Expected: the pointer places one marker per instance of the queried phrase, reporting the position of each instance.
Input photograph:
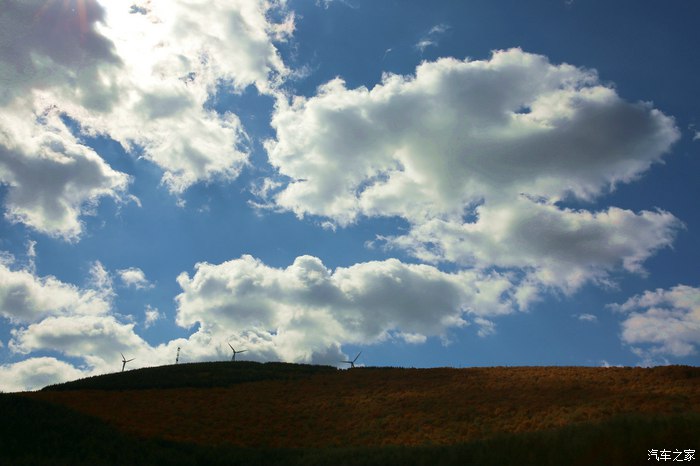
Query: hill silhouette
(276, 413)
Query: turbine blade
(122, 355)
(129, 360)
(231, 347)
(242, 351)
(358, 355)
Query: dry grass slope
(390, 406)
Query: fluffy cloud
(25, 297)
(306, 309)
(141, 74)
(51, 54)
(663, 322)
(478, 156)
(152, 315)
(35, 373)
(561, 248)
(174, 55)
(134, 277)
(77, 322)
(96, 339)
(52, 178)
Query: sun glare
(75, 11)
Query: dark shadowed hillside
(202, 375)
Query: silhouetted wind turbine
(124, 361)
(352, 363)
(233, 358)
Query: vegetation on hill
(390, 406)
(40, 433)
(295, 414)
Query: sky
(443, 183)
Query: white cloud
(173, 58)
(308, 309)
(486, 327)
(50, 315)
(88, 337)
(152, 314)
(52, 178)
(134, 277)
(51, 54)
(663, 322)
(99, 340)
(99, 278)
(431, 38)
(25, 297)
(478, 156)
(326, 3)
(560, 248)
(141, 74)
(35, 373)
(31, 249)
(79, 323)
(585, 317)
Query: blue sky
(431, 183)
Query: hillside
(191, 375)
(294, 408)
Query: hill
(191, 375)
(295, 414)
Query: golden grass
(386, 406)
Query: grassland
(250, 413)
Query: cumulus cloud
(92, 338)
(173, 58)
(35, 373)
(134, 277)
(307, 309)
(560, 248)
(142, 74)
(662, 323)
(25, 297)
(479, 156)
(52, 315)
(52, 179)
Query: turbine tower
(233, 358)
(124, 361)
(177, 358)
(352, 363)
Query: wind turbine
(352, 363)
(233, 358)
(124, 361)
